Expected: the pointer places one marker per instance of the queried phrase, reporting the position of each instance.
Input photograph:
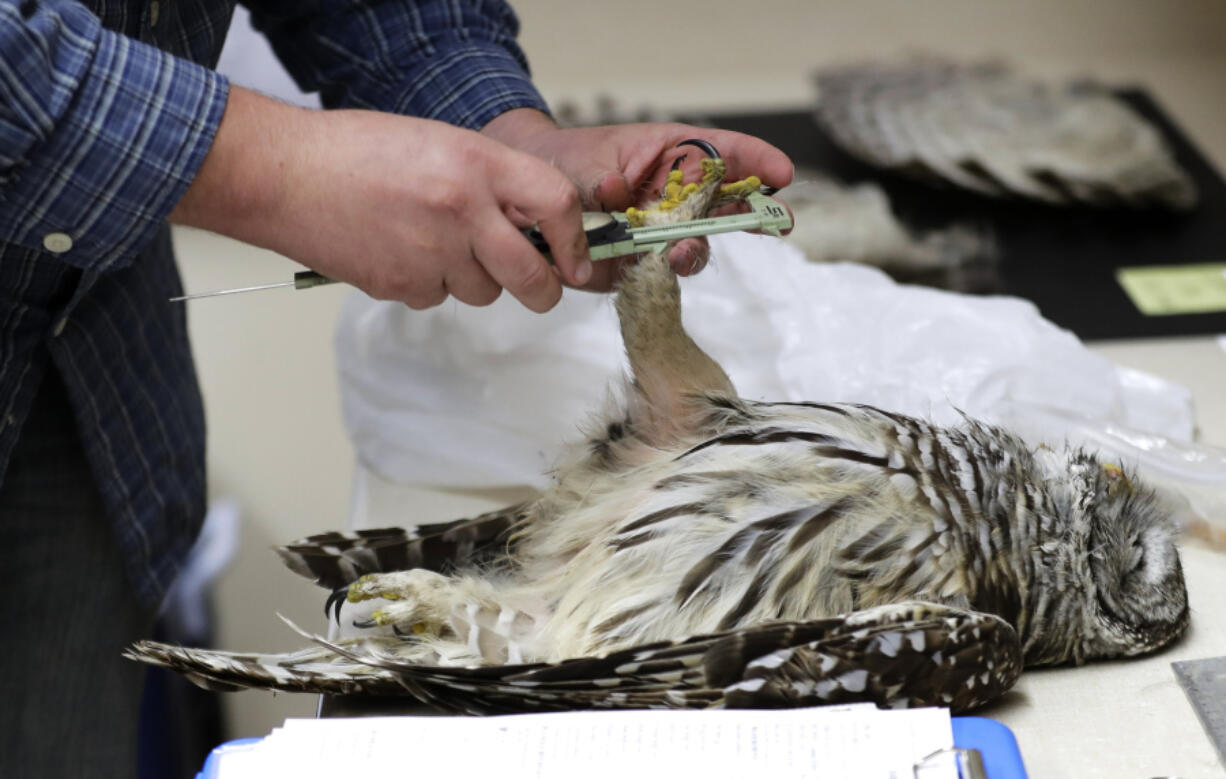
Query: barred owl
(700, 549)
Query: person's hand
(405, 209)
(619, 166)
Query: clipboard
(990, 741)
(995, 744)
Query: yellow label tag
(1159, 290)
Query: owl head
(1118, 584)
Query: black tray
(1062, 259)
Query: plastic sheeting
(462, 398)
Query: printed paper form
(851, 742)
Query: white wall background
(276, 442)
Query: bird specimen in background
(983, 128)
(703, 550)
(837, 222)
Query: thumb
(612, 192)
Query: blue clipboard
(212, 764)
(994, 741)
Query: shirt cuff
(99, 187)
(463, 85)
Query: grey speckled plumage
(815, 552)
(984, 128)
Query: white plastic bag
(462, 397)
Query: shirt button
(153, 13)
(57, 243)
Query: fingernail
(583, 273)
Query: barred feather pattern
(986, 129)
(820, 552)
(335, 559)
(894, 655)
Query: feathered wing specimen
(700, 549)
(986, 129)
(906, 654)
(840, 222)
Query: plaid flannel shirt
(107, 109)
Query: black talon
(335, 601)
(363, 623)
(706, 147)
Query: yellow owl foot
(417, 606)
(676, 193)
(407, 619)
(692, 197)
(414, 584)
(683, 201)
(739, 190)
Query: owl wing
(311, 670)
(335, 559)
(909, 654)
(989, 130)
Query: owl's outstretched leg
(453, 619)
(668, 367)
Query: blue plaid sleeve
(99, 134)
(452, 60)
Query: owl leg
(668, 366)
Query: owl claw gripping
(682, 202)
(704, 550)
(412, 603)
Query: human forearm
(243, 182)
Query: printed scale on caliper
(610, 235)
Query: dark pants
(69, 704)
